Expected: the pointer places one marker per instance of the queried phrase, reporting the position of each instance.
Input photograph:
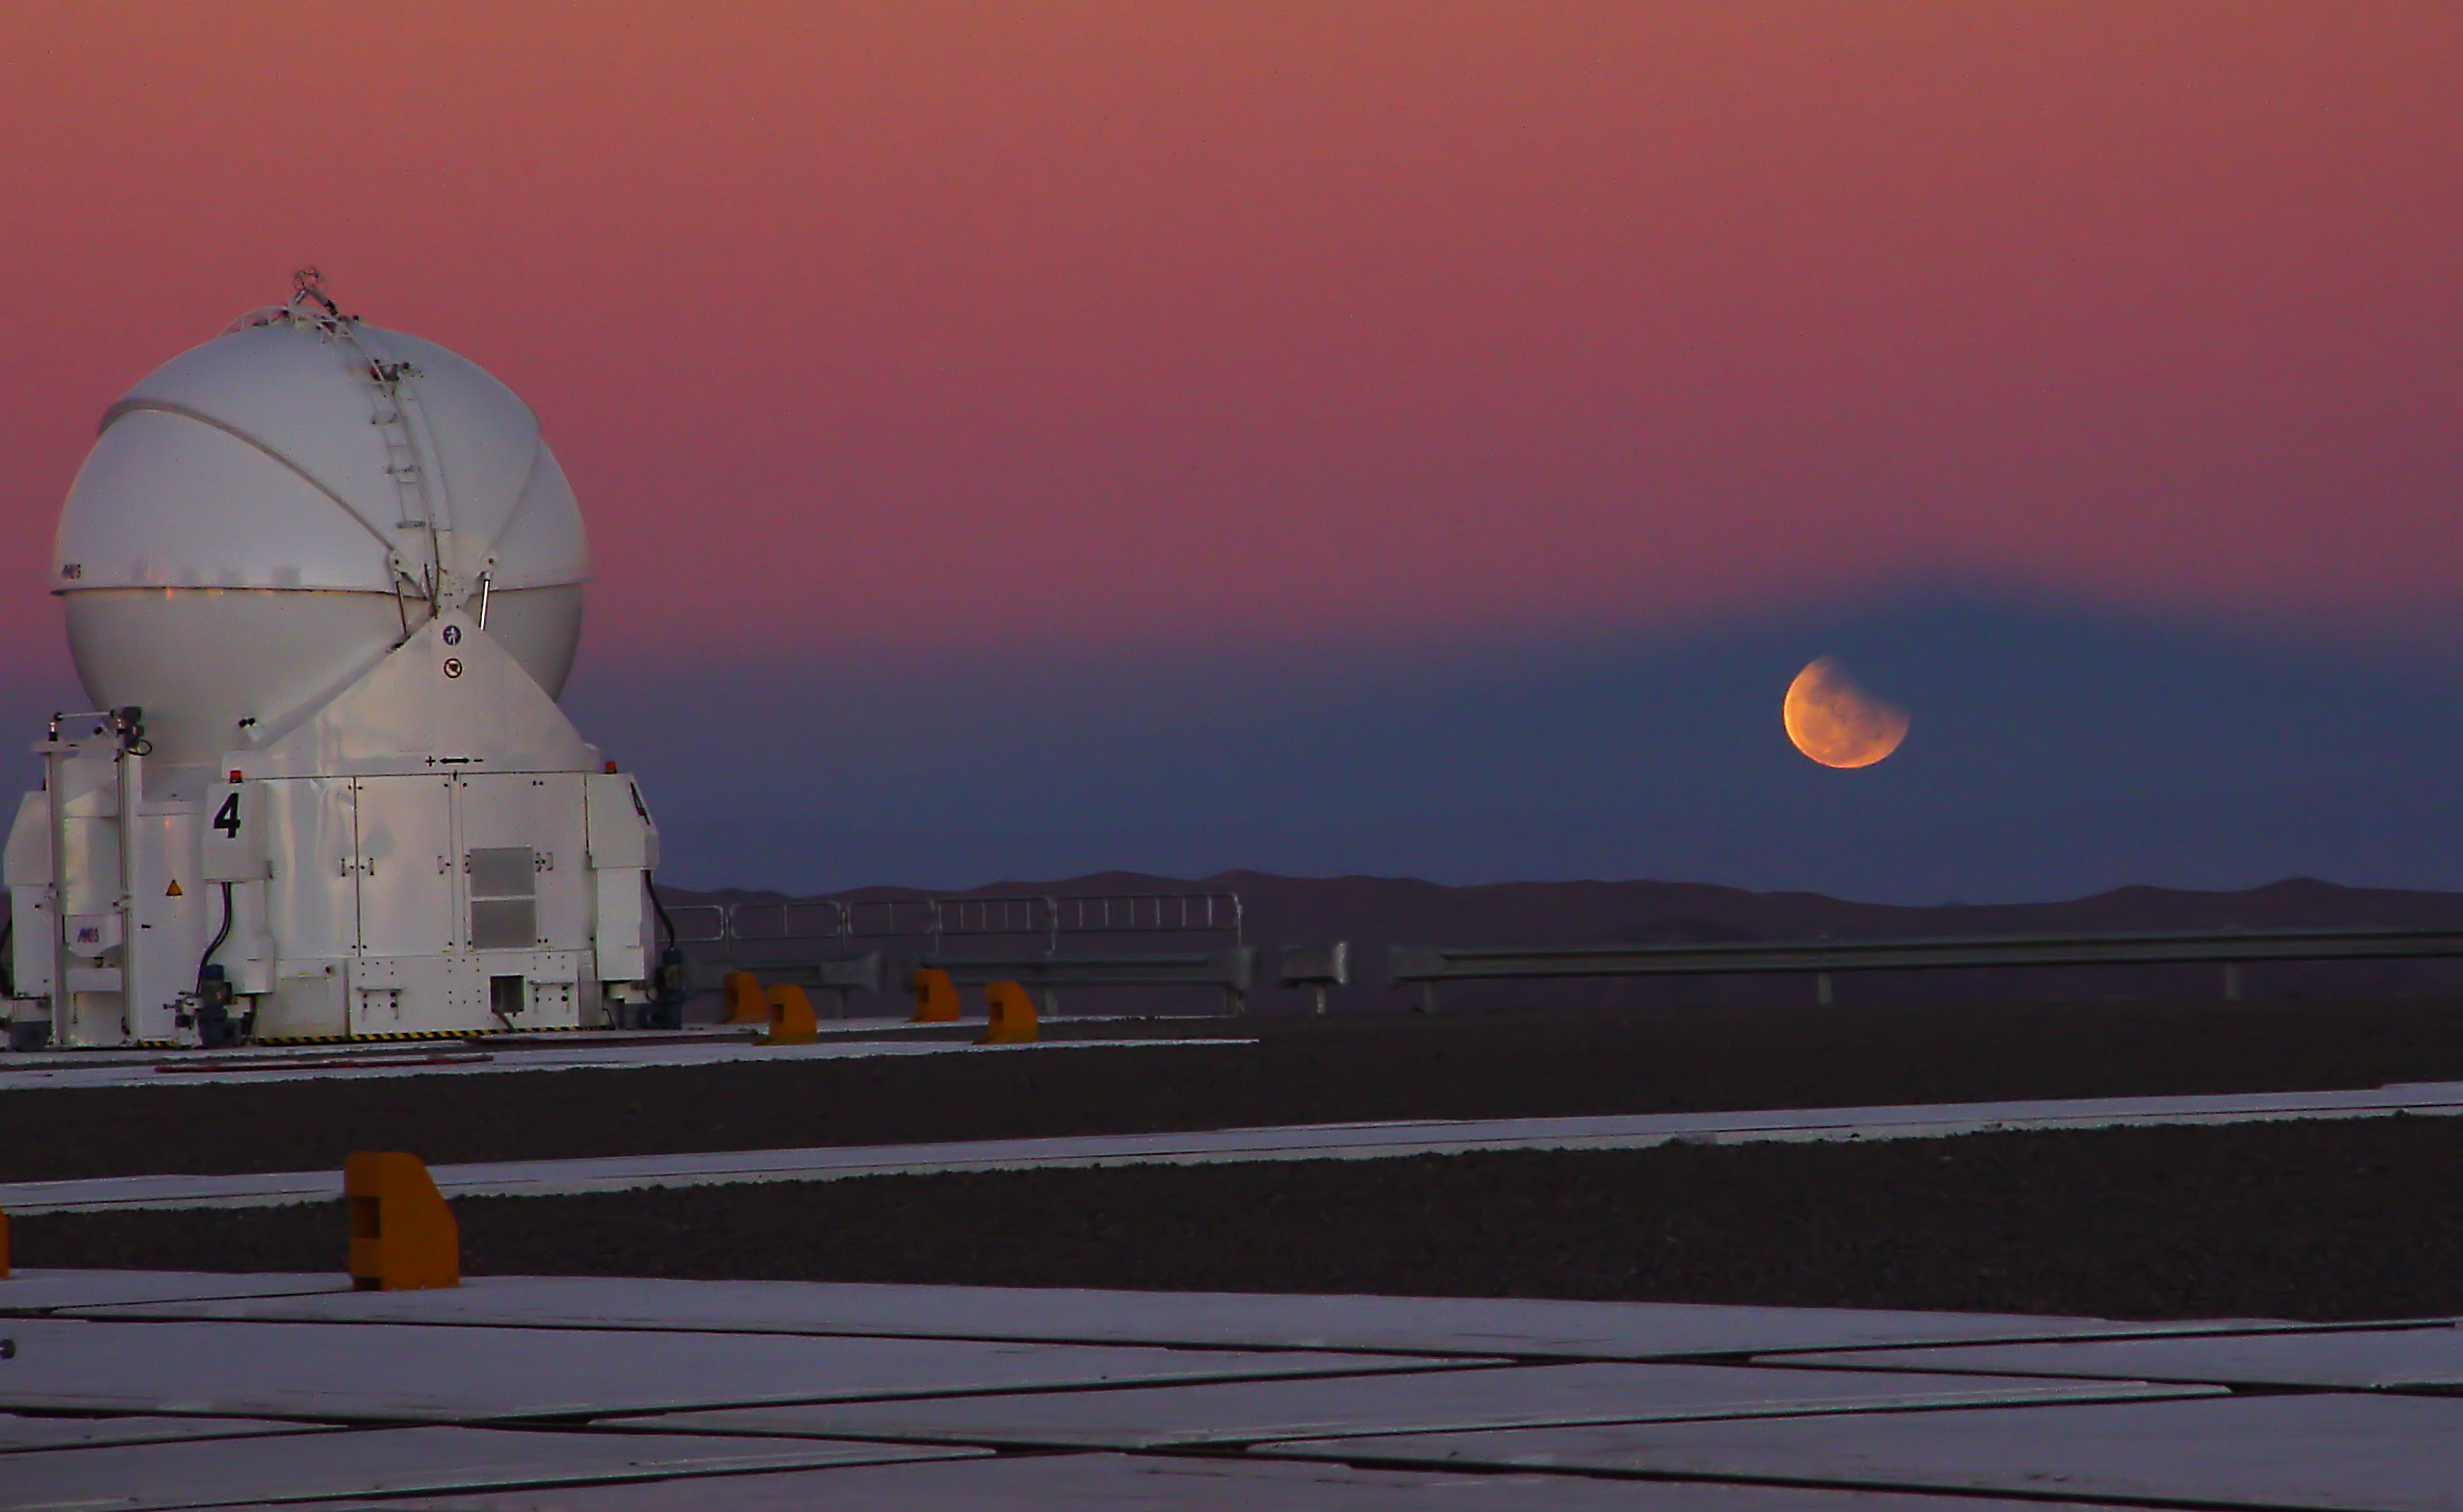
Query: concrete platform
(2419, 1359)
(1250, 1412)
(388, 1462)
(623, 1396)
(34, 1292)
(19, 1432)
(2321, 1453)
(1419, 1325)
(1122, 1483)
(384, 1373)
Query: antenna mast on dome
(308, 284)
(308, 305)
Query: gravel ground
(2314, 1220)
(1302, 1071)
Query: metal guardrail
(698, 923)
(1150, 913)
(892, 918)
(786, 920)
(1024, 915)
(845, 977)
(1050, 915)
(1227, 972)
(932, 923)
(1429, 965)
(1316, 968)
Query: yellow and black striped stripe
(398, 1036)
(414, 1034)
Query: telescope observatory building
(322, 585)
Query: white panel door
(504, 813)
(312, 900)
(409, 887)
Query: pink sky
(931, 325)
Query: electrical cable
(665, 924)
(206, 959)
(665, 973)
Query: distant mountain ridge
(1375, 912)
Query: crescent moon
(1838, 723)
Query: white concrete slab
(1118, 1484)
(374, 1372)
(18, 1432)
(2397, 1359)
(33, 1291)
(117, 1194)
(1247, 1412)
(1312, 1142)
(275, 1471)
(2331, 1452)
(102, 1068)
(1216, 1319)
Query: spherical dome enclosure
(264, 518)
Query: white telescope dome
(265, 516)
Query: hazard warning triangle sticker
(174, 890)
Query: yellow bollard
(936, 998)
(1013, 1015)
(791, 1018)
(402, 1236)
(745, 1001)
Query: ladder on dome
(397, 413)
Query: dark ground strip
(1303, 1071)
(2338, 1220)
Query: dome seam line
(159, 407)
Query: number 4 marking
(226, 818)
